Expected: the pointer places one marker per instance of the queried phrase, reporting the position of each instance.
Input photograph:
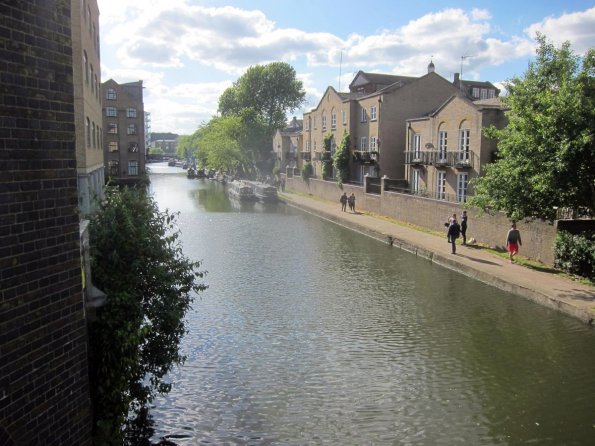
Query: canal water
(313, 334)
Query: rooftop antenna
(462, 59)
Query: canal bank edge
(547, 289)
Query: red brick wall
(44, 394)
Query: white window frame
(133, 168)
(344, 115)
(440, 185)
(363, 142)
(131, 112)
(415, 177)
(416, 146)
(442, 144)
(111, 112)
(373, 147)
(323, 121)
(364, 117)
(333, 121)
(464, 145)
(462, 187)
(373, 113)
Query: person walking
(343, 201)
(454, 230)
(513, 241)
(448, 224)
(352, 202)
(464, 227)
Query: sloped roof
(364, 78)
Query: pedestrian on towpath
(452, 218)
(352, 202)
(454, 230)
(464, 227)
(343, 201)
(513, 241)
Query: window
(462, 181)
(491, 94)
(86, 62)
(110, 93)
(344, 116)
(416, 146)
(307, 146)
(92, 77)
(484, 93)
(131, 112)
(112, 128)
(364, 115)
(323, 121)
(133, 167)
(463, 145)
(441, 186)
(133, 147)
(373, 147)
(373, 113)
(415, 181)
(333, 121)
(111, 112)
(363, 144)
(314, 118)
(113, 146)
(113, 168)
(475, 92)
(88, 131)
(442, 144)
(94, 134)
(308, 124)
(131, 129)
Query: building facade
(87, 103)
(44, 381)
(288, 146)
(448, 148)
(124, 131)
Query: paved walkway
(544, 287)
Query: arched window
(93, 135)
(86, 63)
(92, 77)
(88, 132)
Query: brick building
(124, 131)
(44, 388)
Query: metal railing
(439, 158)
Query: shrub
(575, 253)
(307, 170)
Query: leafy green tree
(341, 159)
(547, 150)
(137, 260)
(270, 90)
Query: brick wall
(538, 237)
(44, 394)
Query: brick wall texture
(44, 393)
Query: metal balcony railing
(438, 158)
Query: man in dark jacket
(454, 230)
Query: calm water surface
(313, 334)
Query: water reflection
(313, 334)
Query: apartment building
(288, 146)
(87, 103)
(124, 131)
(447, 148)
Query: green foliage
(575, 253)
(269, 90)
(137, 260)
(546, 152)
(307, 170)
(341, 159)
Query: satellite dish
(429, 146)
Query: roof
(363, 78)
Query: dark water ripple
(312, 334)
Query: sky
(187, 52)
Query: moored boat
(265, 192)
(240, 190)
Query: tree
(270, 90)
(137, 260)
(547, 150)
(341, 159)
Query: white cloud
(578, 28)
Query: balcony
(456, 159)
(365, 157)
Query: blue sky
(187, 52)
